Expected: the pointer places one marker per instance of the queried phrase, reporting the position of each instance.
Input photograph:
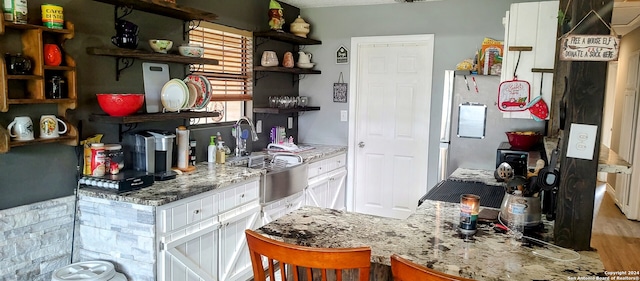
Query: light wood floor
(616, 238)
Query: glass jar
(114, 161)
(55, 87)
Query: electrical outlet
(259, 126)
(290, 122)
(344, 116)
(582, 141)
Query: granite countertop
(309, 153)
(206, 177)
(430, 238)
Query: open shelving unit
(131, 120)
(273, 110)
(31, 88)
(263, 36)
(124, 57)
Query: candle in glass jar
(469, 209)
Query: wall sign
(589, 48)
(342, 55)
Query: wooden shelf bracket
(126, 62)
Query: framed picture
(340, 90)
(342, 55)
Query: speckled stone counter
(313, 153)
(475, 175)
(429, 237)
(206, 177)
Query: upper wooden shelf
(26, 26)
(149, 117)
(165, 9)
(148, 56)
(272, 110)
(293, 70)
(287, 37)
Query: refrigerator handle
(447, 98)
(443, 162)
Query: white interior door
(389, 129)
(626, 192)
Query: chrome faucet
(241, 145)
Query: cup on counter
(49, 127)
(469, 209)
(21, 128)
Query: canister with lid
(114, 158)
(98, 159)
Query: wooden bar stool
(405, 270)
(303, 259)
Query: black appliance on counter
(518, 159)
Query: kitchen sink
(281, 179)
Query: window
(232, 79)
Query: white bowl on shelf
(305, 65)
(193, 51)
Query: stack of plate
(194, 92)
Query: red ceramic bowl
(120, 104)
(523, 140)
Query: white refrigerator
(472, 127)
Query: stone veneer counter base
(430, 238)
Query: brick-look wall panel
(126, 238)
(36, 239)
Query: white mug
(23, 128)
(49, 126)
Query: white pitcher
(304, 57)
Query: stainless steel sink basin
(279, 181)
(282, 182)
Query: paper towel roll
(182, 141)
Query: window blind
(232, 78)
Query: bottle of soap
(211, 150)
(220, 153)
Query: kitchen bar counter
(430, 238)
(207, 176)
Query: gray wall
(36, 173)
(459, 27)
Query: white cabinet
(202, 238)
(328, 191)
(281, 207)
(327, 183)
(530, 24)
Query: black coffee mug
(126, 27)
(125, 41)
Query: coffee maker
(517, 159)
(152, 152)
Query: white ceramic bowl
(191, 51)
(160, 45)
(305, 65)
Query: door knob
(361, 144)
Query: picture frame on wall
(342, 55)
(340, 90)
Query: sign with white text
(590, 48)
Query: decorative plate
(205, 87)
(174, 94)
(194, 92)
